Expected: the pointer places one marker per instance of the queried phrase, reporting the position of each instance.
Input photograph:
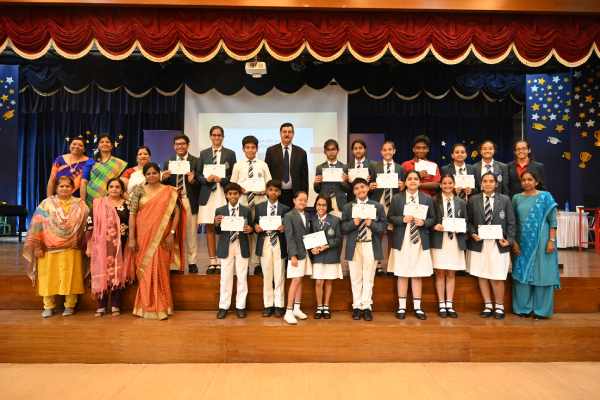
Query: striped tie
(273, 234)
(332, 194)
(488, 210)
(362, 231)
(250, 175)
(414, 229)
(388, 192)
(450, 214)
(233, 235)
(214, 161)
(179, 180)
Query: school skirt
(449, 257)
(206, 213)
(303, 268)
(489, 263)
(327, 271)
(411, 261)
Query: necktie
(359, 165)
(286, 165)
(388, 192)
(488, 168)
(214, 161)
(233, 235)
(414, 230)
(179, 180)
(273, 234)
(332, 194)
(250, 175)
(461, 171)
(362, 231)
(450, 214)
(488, 210)
(322, 223)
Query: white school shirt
(180, 158)
(270, 207)
(483, 196)
(369, 233)
(445, 206)
(240, 170)
(303, 217)
(484, 169)
(286, 185)
(461, 170)
(218, 151)
(361, 161)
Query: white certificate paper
(214, 169)
(387, 181)
(464, 181)
(454, 225)
(354, 173)
(333, 174)
(364, 211)
(270, 222)
(181, 167)
(232, 224)
(315, 239)
(256, 185)
(424, 165)
(493, 232)
(418, 211)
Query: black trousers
(287, 197)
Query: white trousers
(362, 275)
(273, 269)
(238, 265)
(191, 233)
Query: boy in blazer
(487, 149)
(336, 191)
(359, 160)
(233, 250)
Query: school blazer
(503, 215)
(261, 209)
(396, 218)
(192, 189)
(223, 242)
(367, 164)
(378, 226)
(501, 172)
(450, 170)
(294, 231)
(333, 233)
(460, 211)
(227, 158)
(298, 166)
(340, 189)
(514, 182)
(379, 168)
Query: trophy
(597, 137)
(584, 157)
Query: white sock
(417, 304)
(500, 307)
(296, 306)
(402, 302)
(449, 304)
(488, 305)
(442, 304)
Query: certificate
(418, 211)
(232, 224)
(454, 225)
(354, 173)
(180, 167)
(464, 181)
(333, 174)
(490, 232)
(270, 222)
(214, 169)
(387, 181)
(256, 185)
(424, 165)
(364, 211)
(315, 239)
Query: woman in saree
(53, 247)
(135, 176)
(535, 267)
(106, 167)
(75, 164)
(157, 235)
(110, 262)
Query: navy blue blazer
(227, 158)
(340, 189)
(501, 172)
(514, 181)
(379, 168)
(261, 210)
(367, 164)
(503, 214)
(294, 231)
(460, 211)
(333, 233)
(223, 242)
(192, 189)
(378, 226)
(396, 218)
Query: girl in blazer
(448, 248)
(410, 254)
(297, 225)
(326, 259)
(336, 191)
(489, 259)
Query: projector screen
(317, 115)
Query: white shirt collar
(283, 146)
(272, 204)
(365, 201)
(231, 207)
(361, 161)
(457, 167)
(415, 195)
(217, 150)
(331, 162)
(183, 157)
(446, 198)
(253, 160)
(490, 163)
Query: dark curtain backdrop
(46, 122)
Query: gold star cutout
(548, 99)
(4, 97)
(581, 115)
(542, 81)
(544, 118)
(559, 128)
(549, 87)
(568, 102)
(535, 106)
(566, 117)
(577, 89)
(528, 81)
(589, 98)
(584, 134)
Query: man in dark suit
(189, 189)
(487, 149)
(288, 164)
(523, 162)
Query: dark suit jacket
(460, 211)
(340, 189)
(223, 242)
(514, 181)
(192, 189)
(227, 158)
(333, 233)
(501, 172)
(261, 210)
(294, 231)
(396, 218)
(298, 166)
(503, 214)
(378, 226)
(379, 168)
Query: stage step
(192, 336)
(201, 293)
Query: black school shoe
(368, 315)
(222, 313)
(400, 313)
(210, 270)
(241, 312)
(499, 314)
(356, 314)
(420, 314)
(193, 269)
(258, 270)
(279, 312)
(486, 313)
(268, 311)
(326, 313)
(318, 313)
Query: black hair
(103, 136)
(359, 141)
(232, 187)
(331, 142)
(459, 144)
(390, 141)
(79, 138)
(274, 183)
(65, 178)
(286, 125)
(516, 142)
(327, 200)
(412, 171)
(489, 174)
(487, 141)
(421, 139)
(111, 180)
(152, 165)
(250, 140)
(298, 193)
(144, 148)
(359, 181)
(181, 136)
(437, 199)
(534, 175)
(212, 128)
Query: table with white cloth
(568, 229)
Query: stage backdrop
(9, 99)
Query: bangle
(552, 240)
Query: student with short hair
(429, 183)
(335, 191)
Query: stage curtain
(45, 123)
(202, 33)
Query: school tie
(362, 231)
(214, 161)
(286, 165)
(488, 210)
(488, 168)
(250, 175)
(461, 171)
(273, 234)
(388, 192)
(180, 180)
(332, 194)
(414, 230)
(450, 214)
(234, 235)
(359, 165)
(321, 223)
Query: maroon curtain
(201, 31)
